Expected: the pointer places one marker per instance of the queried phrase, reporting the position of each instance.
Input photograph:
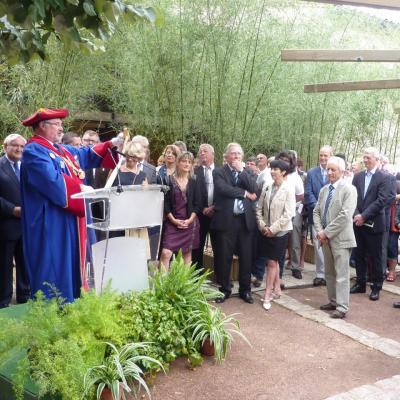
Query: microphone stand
(117, 166)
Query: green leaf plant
(210, 323)
(119, 372)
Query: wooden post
(341, 55)
(349, 86)
(388, 4)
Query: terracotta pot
(207, 348)
(107, 395)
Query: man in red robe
(54, 228)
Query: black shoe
(338, 314)
(246, 296)
(4, 305)
(358, 288)
(374, 296)
(396, 304)
(319, 282)
(328, 307)
(296, 273)
(220, 300)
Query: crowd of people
(260, 209)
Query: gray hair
(373, 151)
(12, 137)
(142, 140)
(233, 144)
(338, 161)
(327, 148)
(207, 146)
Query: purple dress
(175, 239)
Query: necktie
(238, 206)
(324, 177)
(16, 169)
(327, 202)
(210, 185)
(235, 176)
(367, 181)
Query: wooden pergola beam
(341, 55)
(388, 4)
(350, 86)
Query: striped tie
(239, 202)
(327, 202)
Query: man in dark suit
(204, 176)
(10, 223)
(234, 220)
(317, 178)
(373, 193)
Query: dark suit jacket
(201, 179)
(312, 187)
(192, 194)
(99, 179)
(10, 197)
(150, 171)
(379, 194)
(225, 193)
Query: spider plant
(119, 371)
(210, 323)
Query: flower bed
(122, 338)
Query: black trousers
(198, 254)
(10, 249)
(239, 239)
(369, 245)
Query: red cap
(45, 113)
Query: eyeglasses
(90, 141)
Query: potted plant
(119, 373)
(214, 330)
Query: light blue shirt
(368, 177)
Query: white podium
(119, 223)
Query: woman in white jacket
(275, 210)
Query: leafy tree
(26, 26)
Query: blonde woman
(274, 212)
(171, 152)
(130, 173)
(182, 204)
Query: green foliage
(119, 370)
(83, 25)
(211, 323)
(144, 333)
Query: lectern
(119, 222)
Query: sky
(391, 15)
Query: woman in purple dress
(181, 206)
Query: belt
(238, 215)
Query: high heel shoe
(275, 296)
(267, 305)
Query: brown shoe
(338, 314)
(328, 307)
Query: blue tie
(327, 202)
(16, 169)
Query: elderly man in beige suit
(333, 219)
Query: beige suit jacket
(339, 217)
(281, 209)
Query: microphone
(119, 186)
